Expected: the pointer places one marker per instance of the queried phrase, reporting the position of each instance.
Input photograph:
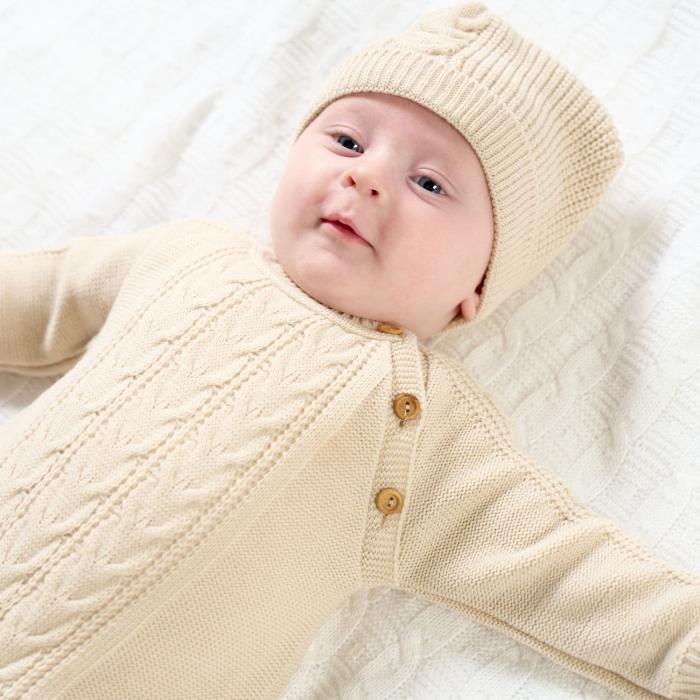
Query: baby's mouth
(348, 230)
(345, 226)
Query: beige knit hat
(548, 147)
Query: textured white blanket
(119, 114)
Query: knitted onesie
(225, 460)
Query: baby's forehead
(373, 104)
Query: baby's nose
(365, 179)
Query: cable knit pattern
(186, 506)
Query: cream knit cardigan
(184, 508)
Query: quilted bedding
(117, 115)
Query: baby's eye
(435, 184)
(345, 136)
(430, 189)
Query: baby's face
(416, 193)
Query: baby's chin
(329, 293)
(336, 286)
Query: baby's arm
(494, 535)
(54, 299)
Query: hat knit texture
(547, 145)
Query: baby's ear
(470, 305)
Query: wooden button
(389, 501)
(388, 328)
(406, 406)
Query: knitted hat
(548, 147)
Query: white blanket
(116, 115)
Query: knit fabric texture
(547, 145)
(207, 482)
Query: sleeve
(490, 533)
(55, 299)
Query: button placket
(394, 465)
(389, 500)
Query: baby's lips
(347, 221)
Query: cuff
(686, 681)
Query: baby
(243, 436)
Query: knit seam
(498, 437)
(36, 253)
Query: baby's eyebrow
(437, 151)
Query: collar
(263, 257)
